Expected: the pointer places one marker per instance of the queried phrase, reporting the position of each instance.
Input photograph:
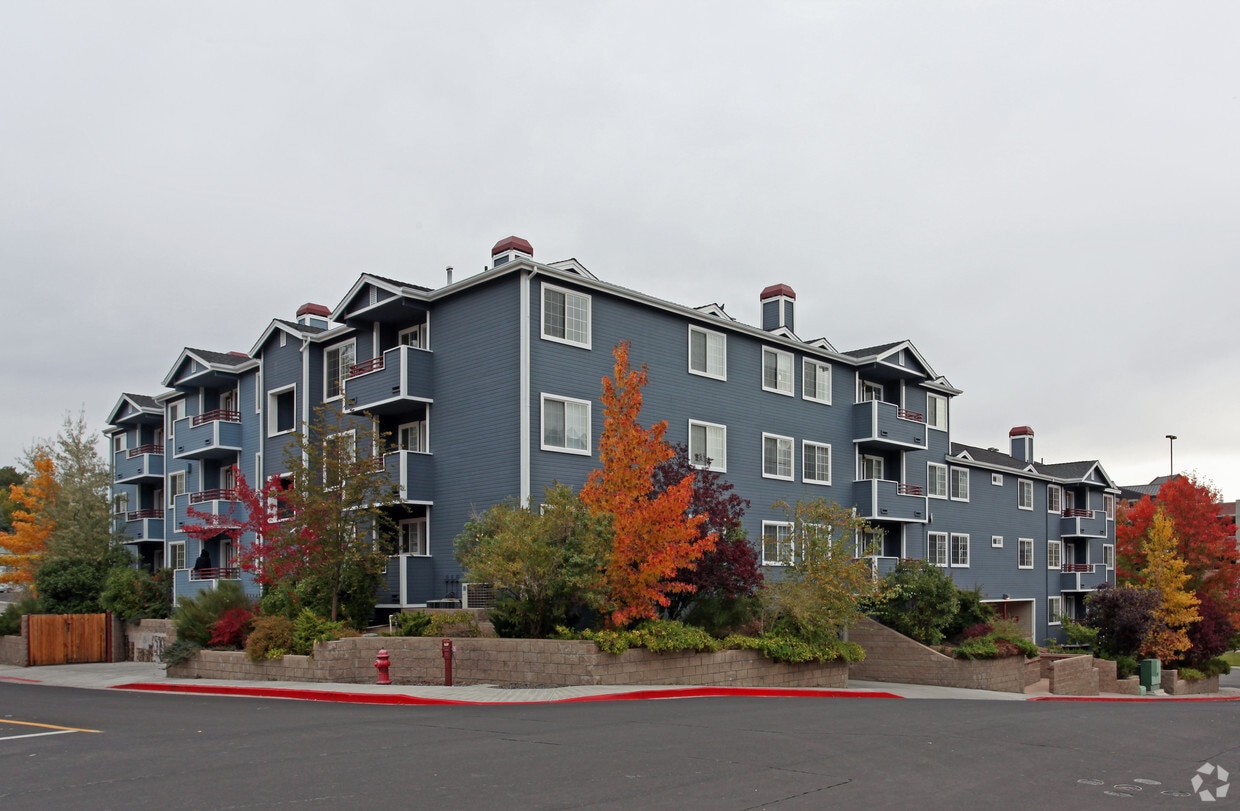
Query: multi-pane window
(960, 483)
(176, 555)
(816, 381)
(816, 463)
(565, 424)
(1054, 554)
(337, 361)
(176, 411)
(1024, 553)
(414, 337)
(871, 467)
(176, 486)
(412, 537)
(708, 445)
(1054, 498)
(996, 541)
(1024, 494)
(339, 451)
(777, 543)
(708, 353)
(120, 504)
(776, 456)
(870, 392)
(566, 316)
(1108, 501)
(1108, 555)
(282, 411)
(960, 549)
(996, 479)
(936, 411)
(118, 443)
(936, 548)
(1054, 610)
(776, 370)
(936, 480)
(412, 436)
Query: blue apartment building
(490, 388)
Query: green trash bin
(1151, 674)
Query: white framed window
(777, 544)
(1024, 496)
(870, 467)
(120, 504)
(176, 411)
(176, 555)
(282, 410)
(776, 371)
(1024, 553)
(412, 537)
(1108, 555)
(565, 425)
(708, 353)
(815, 462)
(278, 506)
(960, 549)
(816, 381)
(1054, 610)
(176, 486)
(337, 360)
(708, 445)
(118, 443)
(936, 411)
(996, 479)
(565, 316)
(413, 436)
(996, 541)
(936, 480)
(1108, 502)
(960, 484)
(1054, 499)
(339, 451)
(936, 548)
(869, 391)
(1054, 554)
(414, 336)
(777, 457)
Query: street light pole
(1171, 449)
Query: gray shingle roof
(307, 328)
(872, 350)
(144, 401)
(988, 457)
(221, 358)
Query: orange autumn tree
(22, 549)
(653, 536)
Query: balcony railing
(146, 450)
(216, 415)
(214, 494)
(912, 416)
(138, 515)
(1077, 568)
(910, 490)
(1077, 512)
(372, 365)
(215, 573)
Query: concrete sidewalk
(148, 676)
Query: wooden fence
(60, 639)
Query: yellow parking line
(4, 721)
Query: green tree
(9, 476)
(83, 522)
(547, 563)
(919, 600)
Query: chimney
(1021, 438)
(778, 303)
(313, 315)
(449, 271)
(510, 248)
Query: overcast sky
(1041, 196)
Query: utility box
(1151, 674)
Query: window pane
(553, 313)
(576, 426)
(553, 423)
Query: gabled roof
(1089, 471)
(290, 327)
(990, 458)
(134, 408)
(888, 356)
(715, 310)
(872, 351)
(351, 306)
(573, 266)
(211, 362)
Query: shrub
(794, 650)
(412, 624)
(11, 619)
(1190, 674)
(720, 615)
(1216, 666)
(70, 586)
(453, 623)
(1126, 666)
(970, 612)
(309, 629)
(669, 635)
(978, 648)
(179, 651)
(920, 601)
(134, 594)
(271, 638)
(1211, 635)
(1005, 638)
(195, 615)
(1122, 617)
(975, 631)
(231, 629)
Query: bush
(179, 651)
(1210, 635)
(11, 619)
(132, 594)
(309, 629)
(231, 629)
(1005, 638)
(1126, 666)
(668, 635)
(919, 600)
(1122, 617)
(970, 613)
(196, 615)
(412, 624)
(271, 638)
(794, 650)
(720, 615)
(70, 586)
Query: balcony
(888, 424)
(1082, 576)
(213, 435)
(411, 472)
(144, 525)
(191, 582)
(880, 565)
(143, 463)
(217, 503)
(1078, 523)
(390, 383)
(883, 500)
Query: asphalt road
(180, 751)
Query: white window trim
(424, 434)
(720, 465)
(426, 524)
(1021, 484)
(542, 316)
(542, 425)
(1108, 504)
(862, 461)
(940, 413)
(996, 479)
(272, 415)
(945, 541)
(1058, 547)
(172, 491)
(951, 550)
(709, 334)
(423, 331)
(1054, 493)
(805, 362)
(951, 482)
(792, 381)
(779, 561)
(173, 548)
(996, 541)
(930, 481)
(805, 443)
(1025, 543)
(1108, 556)
(869, 385)
(344, 373)
(792, 458)
(1054, 615)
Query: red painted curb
(1130, 699)
(408, 700)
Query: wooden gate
(60, 639)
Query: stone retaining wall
(1172, 684)
(14, 650)
(1074, 676)
(893, 657)
(514, 663)
(145, 640)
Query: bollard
(382, 664)
(449, 651)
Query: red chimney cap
(778, 290)
(237, 354)
(313, 309)
(1021, 430)
(512, 244)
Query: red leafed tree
(654, 538)
(1205, 545)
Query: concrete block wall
(14, 650)
(1172, 684)
(514, 663)
(1074, 676)
(145, 640)
(893, 657)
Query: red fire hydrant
(382, 664)
(449, 651)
